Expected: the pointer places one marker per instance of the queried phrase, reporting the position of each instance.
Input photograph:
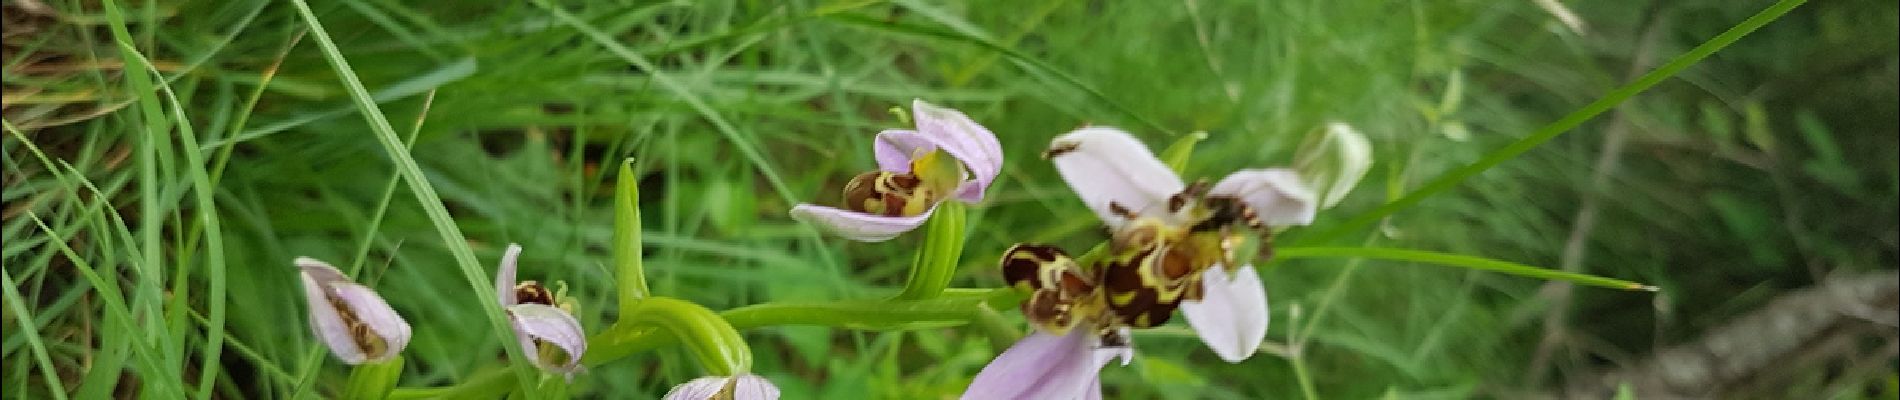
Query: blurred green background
(1765, 173)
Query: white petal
(1231, 317)
(552, 325)
(856, 225)
(1277, 195)
(753, 387)
(378, 316)
(1105, 165)
(963, 138)
(505, 275)
(1040, 366)
(703, 388)
(894, 148)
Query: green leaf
(1460, 261)
(1755, 126)
(1625, 392)
(1178, 154)
(1750, 222)
(1717, 121)
(1454, 93)
(628, 268)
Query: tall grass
(165, 160)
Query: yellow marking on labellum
(1061, 294)
(1121, 299)
(932, 177)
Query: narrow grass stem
(1461, 261)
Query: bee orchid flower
(1123, 182)
(742, 387)
(948, 157)
(351, 319)
(549, 335)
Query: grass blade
(33, 342)
(1461, 261)
(425, 193)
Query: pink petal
(1231, 317)
(1041, 366)
(894, 148)
(505, 275)
(856, 225)
(744, 387)
(956, 134)
(1105, 165)
(753, 387)
(552, 325)
(1102, 356)
(1276, 194)
(703, 388)
(320, 281)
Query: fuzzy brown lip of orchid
(351, 319)
(549, 336)
(949, 157)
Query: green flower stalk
(373, 381)
(936, 261)
(714, 342)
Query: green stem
(712, 340)
(859, 314)
(626, 247)
(373, 381)
(1304, 378)
(624, 340)
(1548, 132)
(936, 262)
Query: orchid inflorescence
(1172, 245)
